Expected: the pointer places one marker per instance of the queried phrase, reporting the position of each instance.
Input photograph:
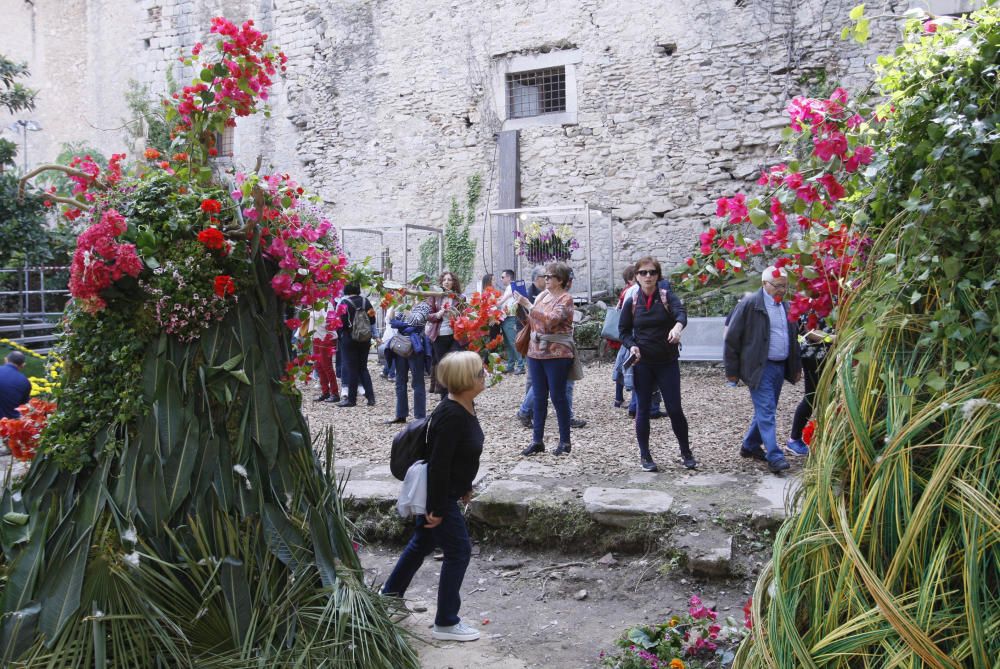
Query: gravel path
(606, 447)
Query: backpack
(664, 300)
(410, 444)
(361, 325)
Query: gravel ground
(606, 447)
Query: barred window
(536, 92)
(224, 143)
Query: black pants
(811, 369)
(355, 358)
(443, 345)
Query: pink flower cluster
(244, 78)
(99, 260)
(827, 120)
(694, 641)
(308, 272)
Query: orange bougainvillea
(472, 329)
(22, 433)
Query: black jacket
(456, 444)
(648, 328)
(747, 340)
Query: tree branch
(23, 181)
(67, 201)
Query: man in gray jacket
(761, 349)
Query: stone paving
(698, 507)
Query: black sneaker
(656, 414)
(533, 449)
(525, 420)
(688, 459)
(346, 403)
(778, 466)
(562, 449)
(755, 454)
(577, 422)
(649, 466)
(322, 398)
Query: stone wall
(389, 106)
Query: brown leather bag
(523, 340)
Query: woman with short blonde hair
(456, 442)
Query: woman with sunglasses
(650, 327)
(550, 354)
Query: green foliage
(428, 250)
(459, 247)
(893, 556)
(147, 119)
(24, 233)
(8, 152)
(588, 335)
(15, 96)
(100, 392)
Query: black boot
(562, 449)
(533, 449)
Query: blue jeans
(413, 367)
(453, 538)
(763, 431)
(667, 378)
(509, 328)
(548, 380)
(528, 403)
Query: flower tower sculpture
(175, 514)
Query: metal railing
(31, 303)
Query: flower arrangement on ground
(540, 245)
(692, 640)
(175, 513)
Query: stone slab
(706, 480)
(621, 506)
(372, 491)
(505, 503)
(709, 552)
(532, 468)
(771, 494)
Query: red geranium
(224, 285)
(807, 432)
(212, 239)
(151, 154)
(211, 206)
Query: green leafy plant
(892, 557)
(428, 250)
(14, 95)
(459, 247)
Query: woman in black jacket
(456, 442)
(650, 326)
(355, 352)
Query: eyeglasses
(777, 286)
(647, 272)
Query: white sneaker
(459, 632)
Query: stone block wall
(388, 106)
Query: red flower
(151, 154)
(224, 285)
(213, 152)
(212, 239)
(180, 157)
(689, 262)
(293, 323)
(211, 206)
(808, 431)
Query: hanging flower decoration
(541, 245)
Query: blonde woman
(456, 441)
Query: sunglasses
(647, 272)
(547, 276)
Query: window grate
(536, 92)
